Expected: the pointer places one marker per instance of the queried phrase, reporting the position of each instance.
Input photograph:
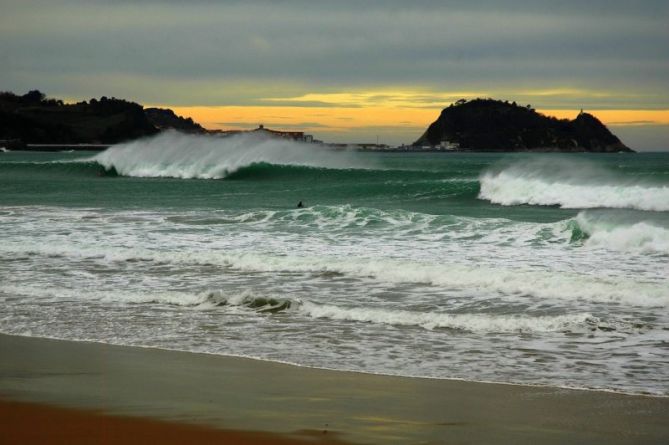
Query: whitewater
(177, 155)
(570, 185)
(532, 269)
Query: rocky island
(496, 126)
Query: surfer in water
(300, 205)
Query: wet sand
(30, 423)
(207, 393)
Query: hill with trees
(33, 118)
(493, 125)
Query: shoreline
(546, 386)
(245, 394)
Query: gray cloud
(235, 52)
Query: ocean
(542, 269)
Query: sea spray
(569, 184)
(177, 155)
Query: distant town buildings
(298, 136)
(292, 135)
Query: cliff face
(34, 119)
(491, 125)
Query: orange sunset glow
(400, 120)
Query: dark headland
(33, 119)
(494, 125)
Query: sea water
(519, 268)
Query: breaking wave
(569, 184)
(251, 302)
(333, 218)
(177, 155)
(602, 230)
(460, 322)
(471, 322)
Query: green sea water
(436, 183)
(527, 268)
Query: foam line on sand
(249, 395)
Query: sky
(348, 71)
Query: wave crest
(177, 155)
(469, 322)
(396, 317)
(569, 185)
(459, 322)
(249, 302)
(604, 231)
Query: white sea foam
(254, 302)
(370, 283)
(398, 317)
(569, 185)
(177, 155)
(608, 230)
(642, 236)
(465, 322)
(456, 277)
(483, 280)
(60, 294)
(333, 218)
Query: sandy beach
(202, 394)
(30, 423)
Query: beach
(295, 403)
(72, 427)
